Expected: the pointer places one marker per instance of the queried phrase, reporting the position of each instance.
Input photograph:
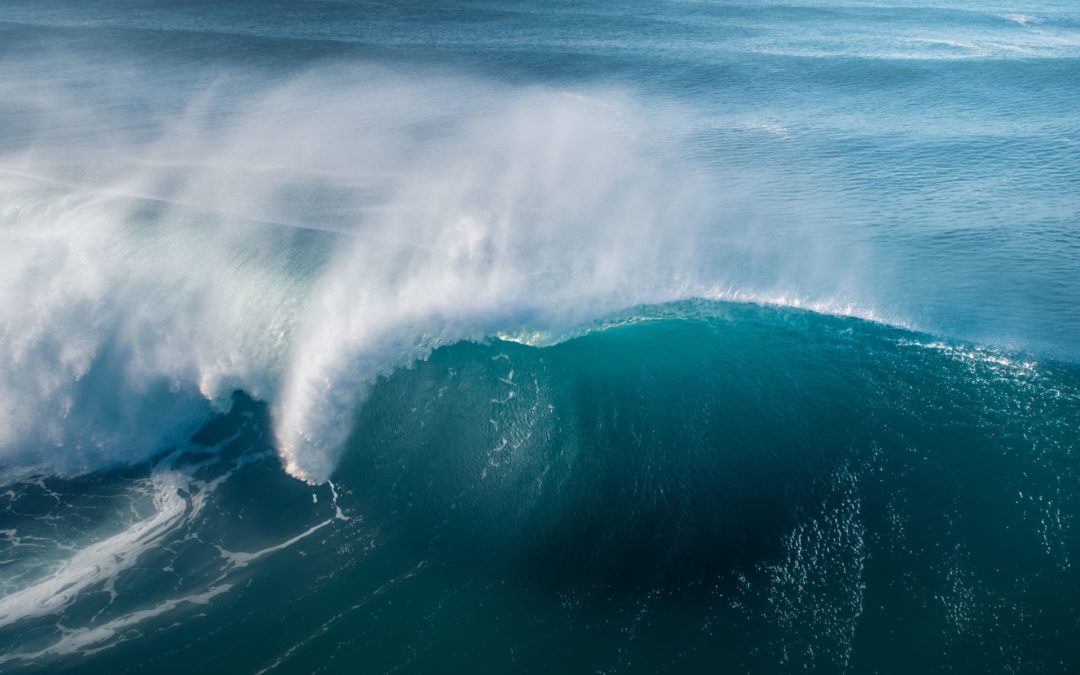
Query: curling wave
(212, 253)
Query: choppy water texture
(616, 337)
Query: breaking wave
(298, 238)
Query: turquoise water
(624, 337)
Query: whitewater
(300, 274)
(620, 337)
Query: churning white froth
(298, 238)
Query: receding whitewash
(97, 563)
(91, 639)
(179, 497)
(241, 559)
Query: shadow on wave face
(651, 455)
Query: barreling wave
(300, 237)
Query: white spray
(154, 262)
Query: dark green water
(705, 487)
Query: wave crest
(298, 238)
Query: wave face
(792, 490)
(639, 335)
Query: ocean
(605, 337)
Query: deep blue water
(496, 337)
